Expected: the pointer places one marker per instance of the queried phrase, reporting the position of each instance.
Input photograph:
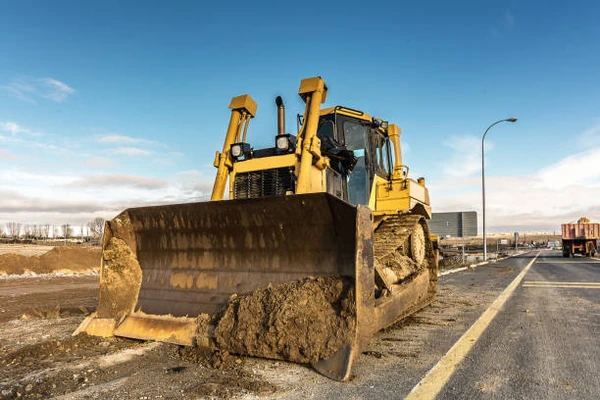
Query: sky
(108, 105)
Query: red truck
(580, 238)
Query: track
(402, 245)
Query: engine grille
(270, 182)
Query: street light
(513, 119)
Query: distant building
(454, 224)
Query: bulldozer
(332, 205)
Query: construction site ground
(40, 359)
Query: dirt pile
(67, 259)
(301, 321)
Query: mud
(210, 358)
(67, 259)
(39, 358)
(120, 281)
(402, 266)
(303, 321)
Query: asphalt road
(543, 343)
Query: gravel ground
(40, 359)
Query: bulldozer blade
(164, 328)
(92, 325)
(164, 266)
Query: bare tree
(14, 229)
(67, 231)
(44, 231)
(36, 231)
(28, 231)
(96, 227)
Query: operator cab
(358, 151)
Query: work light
(238, 150)
(285, 142)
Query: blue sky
(113, 104)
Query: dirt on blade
(301, 321)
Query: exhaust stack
(280, 116)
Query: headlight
(285, 142)
(236, 150)
(282, 143)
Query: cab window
(355, 137)
(326, 130)
(381, 146)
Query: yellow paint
(181, 280)
(259, 164)
(165, 328)
(572, 285)
(207, 281)
(313, 91)
(558, 283)
(103, 327)
(431, 385)
(346, 111)
(399, 194)
(569, 262)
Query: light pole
(483, 178)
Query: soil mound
(66, 259)
(301, 321)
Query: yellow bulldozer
(322, 242)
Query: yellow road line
(438, 376)
(569, 262)
(564, 286)
(559, 283)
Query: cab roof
(350, 112)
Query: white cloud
(21, 91)
(578, 169)
(131, 151)
(10, 127)
(56, 90)
(556, 194)
(518, 203)
(589, 136)
(100, 162)
(112, 181)
(15, 177)
(6, 155)
(121, 139)
(190, 173)
(31, 89)
(465, 158)
(13, 128)
(38, 197)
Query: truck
(580, 238)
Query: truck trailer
(580, 238)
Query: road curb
(473, 266)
